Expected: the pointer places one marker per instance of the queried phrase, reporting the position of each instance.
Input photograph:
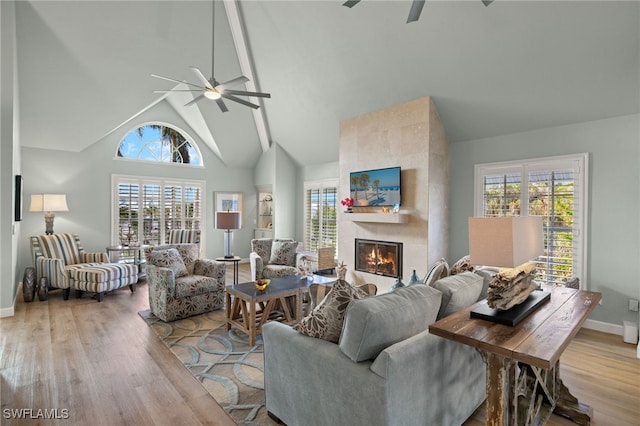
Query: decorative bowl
(261, 285)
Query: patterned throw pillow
(169, 258)
(439, 270)
(462, 265)
(283, 252)
(325, 321)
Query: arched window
(161, 143)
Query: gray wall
(613, 232)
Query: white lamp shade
(228, 220)
(48, 203)
(505, 241)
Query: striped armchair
(181, 236)
(61, 259)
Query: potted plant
(348, 203)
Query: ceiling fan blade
(177, 90)
(243, 93)
(221, 104)
(351, 3)
(240, 101)
(487, 2)
(195, 100)
(176, 81)
(233, 82)
(416, 9)
(201, 77)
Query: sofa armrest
(297, 368)
(161, 279)
(449, 376)
(90, 257)
(210, 268)
(53, 270)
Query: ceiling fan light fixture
(212, 94)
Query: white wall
(614, 205)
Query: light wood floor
(103, 364)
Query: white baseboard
(10, 311)
(605, 327)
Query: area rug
(228, 368)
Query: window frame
(319, 185)
(164, 184)
(579, 163)
(187, 137)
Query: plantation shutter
(147, 209)
(554, 188)
(320, 225)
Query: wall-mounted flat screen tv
(379, 187)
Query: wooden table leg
(252, 324)
(228, 309)
(499, 372)
(568, 405)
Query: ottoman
(102, 277)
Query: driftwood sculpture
(510, 287)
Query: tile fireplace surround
(411, 136)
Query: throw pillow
(374, 323)
(439, 270)
(283, 252)
(169, 258)
(462, 265)
(458, 291)
(325, 321)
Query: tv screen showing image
(379, 187)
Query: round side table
(235, 260)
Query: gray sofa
(386, 369)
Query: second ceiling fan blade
(240, 101)
(201, 77)
(195, 100)
(176, 81)
(233, 82)
(416, 10)
(221, 104)
(243, 93)
(351, 3)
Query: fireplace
(379, 257)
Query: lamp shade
(505, 241)
(48, 203)
(228, 220)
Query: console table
(523, 362)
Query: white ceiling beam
(237, 31)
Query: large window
(554, 188)
(320, 204)
(146, 209)
(160, 143)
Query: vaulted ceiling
(85, 68)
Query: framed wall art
(228, 201)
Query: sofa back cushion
(60, 246)
(458, 291)
(374, 323)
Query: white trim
(11, 310)
(237, 31)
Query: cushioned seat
(180, 284)
(61, 259)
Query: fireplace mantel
(377, 217)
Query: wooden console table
(523, 362)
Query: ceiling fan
(416, 7)
(211, 88)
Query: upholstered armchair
(272, 258)
(181, 236)
(61, 259)
(181, 284)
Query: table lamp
(228, 220)
(48, 203)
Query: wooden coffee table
(523, 362)
(249, 309)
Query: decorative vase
(414, 278)
(397, 284)
(349, 210)
(29, 284)
(43, 289)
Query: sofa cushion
(373, 324)
(325, 321)
(283, 252)
(439, 270)
(462, 265)
(169, 258)
(458, 291)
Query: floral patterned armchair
(181, 284)
(272, 258)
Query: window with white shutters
(320, 207)
(146, 209)
(554, 188)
